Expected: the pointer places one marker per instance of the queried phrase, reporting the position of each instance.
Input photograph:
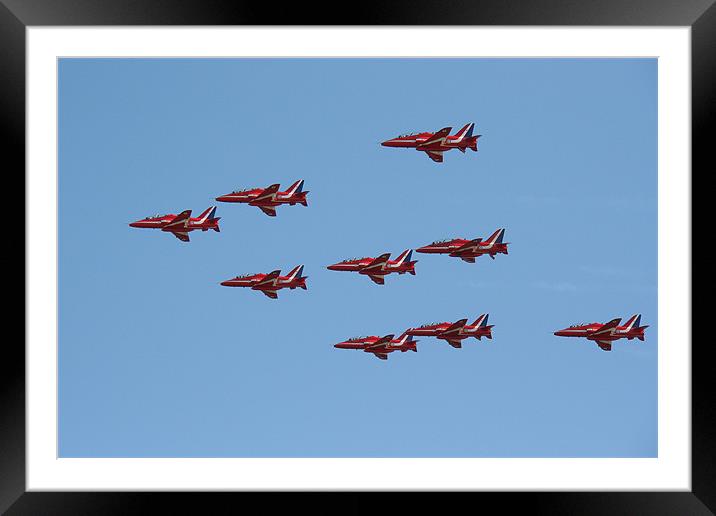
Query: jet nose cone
(225, 283)
(133, 225)
(333, 267)
(221, 198)
(423, 249)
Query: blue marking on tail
(469, 131)
(484, 321)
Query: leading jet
(267, 199)
(605, 334)
(377, 268)
(434, 144)
(380, 346)
(180, 225)
(468, 250)
(269, 284)
(455, 333)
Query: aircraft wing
(467, 247)
(382, 356)
(270, 293)
(380, 280)
(377, 262)
(381, 342)
(268, 279)
(454, 327)
(268, 210)
(179, 222)
(438, 137)
(455, 343)
(608, 328)
(436, 156)
(184, 237)
(605, 345)
(267, 193)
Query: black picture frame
(17, 15)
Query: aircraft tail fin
(295, 273)
(207, 214)
(481, 321)
(473, 143)
(633, 322)
(407, 342)
(496, 237)
(295, 188)
(404, 256)
(465, 132)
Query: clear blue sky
(156, 359)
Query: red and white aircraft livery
(267, 199)
(468, 250)
(434, 144)
(380, 346)
(605, 334)
(377, 268)
(269, 284)
(180, 225)
(455, 332)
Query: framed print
(322, 191)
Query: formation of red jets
(434, 145)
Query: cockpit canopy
(407, 134)
(245, 275)
(442, 241)
(157, 216)
(353, 259)
(579, 324)
(242, 190)
(358, 339)
(430, 324)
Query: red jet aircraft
(434, 144)
(468, 250)
(269, 284)
(453, 333)
(377, 268)
(380, 346)
(180, 225)
(605, 334)
(267, 199)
